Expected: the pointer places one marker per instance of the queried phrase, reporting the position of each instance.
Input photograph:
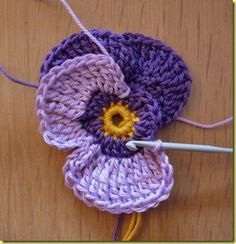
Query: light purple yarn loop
(149, 78)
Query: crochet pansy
(93, 104)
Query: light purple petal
(64, 92)
(119, 185)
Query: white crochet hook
(132, 145)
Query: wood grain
(35, 204)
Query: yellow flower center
(118, 121)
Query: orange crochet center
(121, 129)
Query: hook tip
(131, 146)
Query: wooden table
(35, 204)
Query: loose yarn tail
(134, 225)
(116, 231)
(82, 27)
(205, 126)
(21, 82)
(78, 22)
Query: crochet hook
(132, 145)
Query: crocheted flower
(94, 104)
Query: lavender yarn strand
(205, 126)
(21, 82)
(78, 22)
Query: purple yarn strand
(21, 82)
(205, 126)
(115, 235)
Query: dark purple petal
(147, 64)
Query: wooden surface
(35, 204)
